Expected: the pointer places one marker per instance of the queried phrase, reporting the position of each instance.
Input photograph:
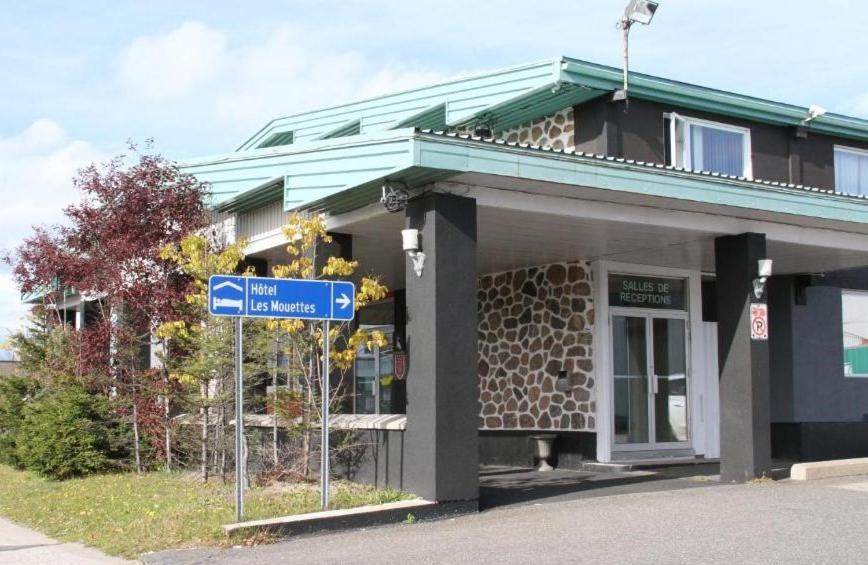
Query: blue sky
(80, 78)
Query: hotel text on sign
(261, 297)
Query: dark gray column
(442, 390)
(745, 444)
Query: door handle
(654, 386)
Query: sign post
(324, 435)
(239, 423)
(261, 297)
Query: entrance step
(644, 463)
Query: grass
(129, 514)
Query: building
(591, 267)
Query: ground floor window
(376, 387)
(854, 315)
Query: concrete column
(745, 444)
(442, 389)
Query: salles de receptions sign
(637, 291)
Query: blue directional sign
(281, 298)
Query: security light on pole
(640, 11)
(637, 11)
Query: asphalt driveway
(764, 522)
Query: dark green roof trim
(710, 100)
(353, 127)
(284, 138)
(433, 118)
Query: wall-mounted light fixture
(410, 238)
(395, 196)
(764, 271)
(814, 112)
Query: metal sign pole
(324, 450)
(239, 424)
(301, 299)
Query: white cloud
(234, 88)
(36, 170)
(12, 311)
(172, 64)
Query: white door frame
(603, 354)
(650, 314)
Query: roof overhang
(439, 156)
(349, 173)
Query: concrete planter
(544, 450)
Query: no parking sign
(759, 321)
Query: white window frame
(856, 293)
(682, 155)
(854, 151)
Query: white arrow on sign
(343, 301)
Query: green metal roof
(317, 155)
(344, 174)
(437, 155)
(507, 97)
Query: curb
(352, 518)
(829, 469)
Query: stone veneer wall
(556, 131)
(532, 323)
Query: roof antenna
(637, 11)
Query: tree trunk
(221, 428)
(166, 421)
(136, 438)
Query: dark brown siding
(605, 128)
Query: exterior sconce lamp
(764, 271)
(410, 239)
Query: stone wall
(556, 131)
(532, 323)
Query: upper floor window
(701, 145)
(851, 170)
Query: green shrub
(15, 391)
(69, 432)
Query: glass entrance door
(650, 373)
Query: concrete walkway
(788, 522)
(23, 546)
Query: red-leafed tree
(108, 251)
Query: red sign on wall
(759, 322)
(400, 365)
